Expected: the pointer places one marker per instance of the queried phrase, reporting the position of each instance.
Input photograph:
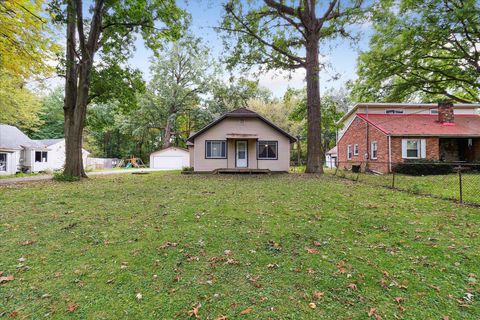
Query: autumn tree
(422, 49)
(110, 29)
(281, 35)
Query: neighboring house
(331, 158)
(20, 153)
(238, 140)
(170, 158)
(378, 135)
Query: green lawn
(444, 186)
(165, 245)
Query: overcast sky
(206, 14)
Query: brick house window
(414, 148)
(374, 150)
(349, 152)
(355, 149)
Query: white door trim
(241, 151)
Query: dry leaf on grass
(312, 305)
(246, 311)
(72, 307)
(311, 250)
(193, 312)
(318, 294)
(6, 279)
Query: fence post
(460, 184)
(393, 179)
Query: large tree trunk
(168, 135)
(314, 130)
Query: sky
(206, 14)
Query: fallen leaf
(445, 318)
(231, 261)
(6, 279)
(317, 244)
(398, 299)
(228, 252)
(72, 307)
(27, 242)
(318, 294)
(193, 312)
(312, 305)
(352, 286)
(434, 287)
(311, 250)
(221, 318)
(139, 296)
(169, 244)
(247, 311)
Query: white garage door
(160, 162)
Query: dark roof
(424, 125)
(241, 113)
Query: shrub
(59, 176)
(424, 168)
(187, 169)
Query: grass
(444, 186)
(165, 245)
(21, 175)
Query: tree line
(420, 51)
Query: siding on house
(239, 126)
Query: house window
(393, 111)
(355, 149)
(349, 152)
(216, 149)
(413, 148)
(267, 150)
(374, 150)
(40, 156)
(3, 162)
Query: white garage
(172, 158)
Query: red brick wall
(432, 148)
(356, 134)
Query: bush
(424, 168)
(59, 176)
(187, 169)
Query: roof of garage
(169, 148)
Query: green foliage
(51, 117)
(60, 176)
(421, 49)
(19, 106)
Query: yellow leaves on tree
(26, 44)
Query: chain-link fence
(453, 181)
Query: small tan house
(240, 140)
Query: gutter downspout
(389, 153)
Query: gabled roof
(241, 113)
(424, 125)
(49, 142)
(11, 138)
(333, 150)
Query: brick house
(378, 135)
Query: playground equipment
(131, 163)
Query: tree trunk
(168, 135)
(314, 130)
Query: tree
(26, 40)
(18, 105)
(51, 116)
(110, 28)
(179, 77)
(422, 49)
(274, 35)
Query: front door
(241, 154)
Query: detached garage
(172, 158)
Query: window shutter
(404, 148)
(423, 148)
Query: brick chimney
(445, 112)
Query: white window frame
(6, 162)
(43, 156)
(349, 152)
(421, 148)
(215, 141)
(355, 149)
(394, 111)
(374, 148)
